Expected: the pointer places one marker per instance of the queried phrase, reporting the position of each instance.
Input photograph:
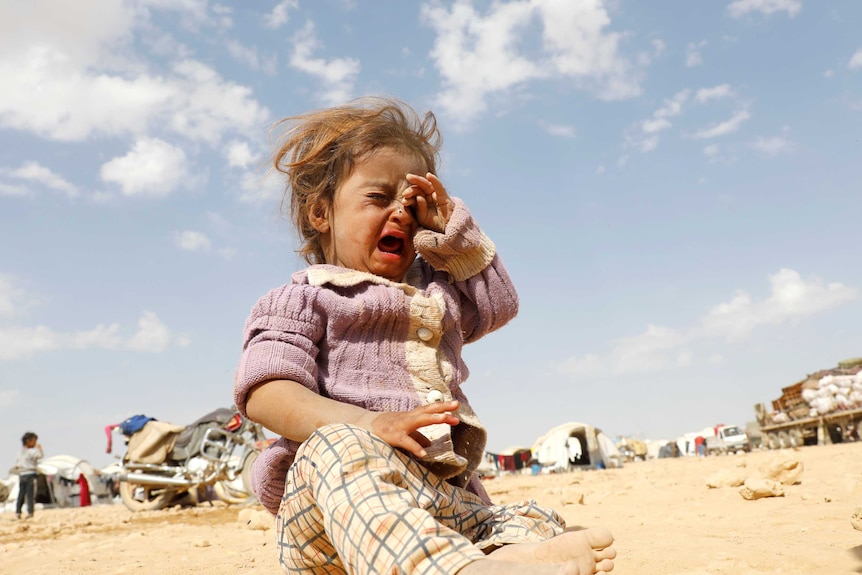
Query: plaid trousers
(354, 504)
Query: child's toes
(599, 537)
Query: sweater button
(434, 396)
(424, 333)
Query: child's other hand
(401, 429)
(427, 199)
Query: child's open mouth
(390, 245)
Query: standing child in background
(357, 365)
(27, 466)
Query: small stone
(759, 487)
(726, 478)
(856, 519)
(786, 470)
(572, 497)
(256, 519)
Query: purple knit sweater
(384, 346)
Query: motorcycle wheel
(228, 492)
(239, 490)
(138, 497)
(246, 471)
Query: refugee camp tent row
(64, 481)
(511, 460)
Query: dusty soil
(665, 519)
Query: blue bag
(134, 424)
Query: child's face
(368, 228)
(32, 442)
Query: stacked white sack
(834, 392)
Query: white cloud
(34, 172)
(714, 154)
(716, 93)
(239, 154)
(152, 334)
(152, 168)
(791, 297)
(13, 299)
(260, 187)
(107, 24)
(584, 366)
(723, 128)
(644, 136)
(192, 241)
(337, 76)
(279, 15)
(223, 13)
(53, 96)
(101, 337)
(249, 57)
(208, 106)
(476, 56)
(856, 60)
(739, 8)
(673, 106)
(226, 253)
(559, 130)
(574, 35)
(24, 342)
(657, 349)
(773, 146)
(647, 144)
(193, 14)
(7, 189)
(243, 54)
(692, 54)
(653, 125)
(659, 47)
(662, 348)
(46, 93)
(72, 76)
(480, 56)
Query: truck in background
(823, 408)
(728, 439)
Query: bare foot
(591, 550)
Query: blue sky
(674, 187)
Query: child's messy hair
(318, 150)
(27, 437)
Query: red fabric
(109, 431)
(85, 490)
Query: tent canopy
(576, 446)
(59, 482)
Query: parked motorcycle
(165, 464)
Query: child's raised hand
(428, 201)
(401, 429)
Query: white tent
(59, 483)
(576, 446)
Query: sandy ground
(665, 519)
